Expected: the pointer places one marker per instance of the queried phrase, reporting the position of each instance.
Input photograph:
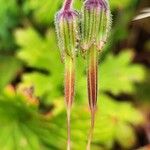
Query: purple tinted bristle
(89, 4)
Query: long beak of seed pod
(92, 81)
(69, 80)
(69, 90)
(67, 33)
(95, 26)
(92, 77)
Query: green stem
(69, 91)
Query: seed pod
(96, 22)
(95, 25)
(67, 32)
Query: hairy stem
(92, 87)
(69, 91)
(67, 4)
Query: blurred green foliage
(36, 119)
(28, 128)
(9, 18)
(120, 69)
(41, 10)
(9, 67)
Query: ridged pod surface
(95, 23)
(67, 32)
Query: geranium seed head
(96, 22)
(67, 31)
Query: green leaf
(9, 67)
(46, 57)
(117, 74)
(114, 120)
(125, 136)
(44, 50)
(23, 127)
(43, 11)
(9, 18)
(44, 85)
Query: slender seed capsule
(67, 32)
(96, 23)
(68, 35)
(95, 26)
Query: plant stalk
(92, 82)
(69, 92)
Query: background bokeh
(32, 109)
